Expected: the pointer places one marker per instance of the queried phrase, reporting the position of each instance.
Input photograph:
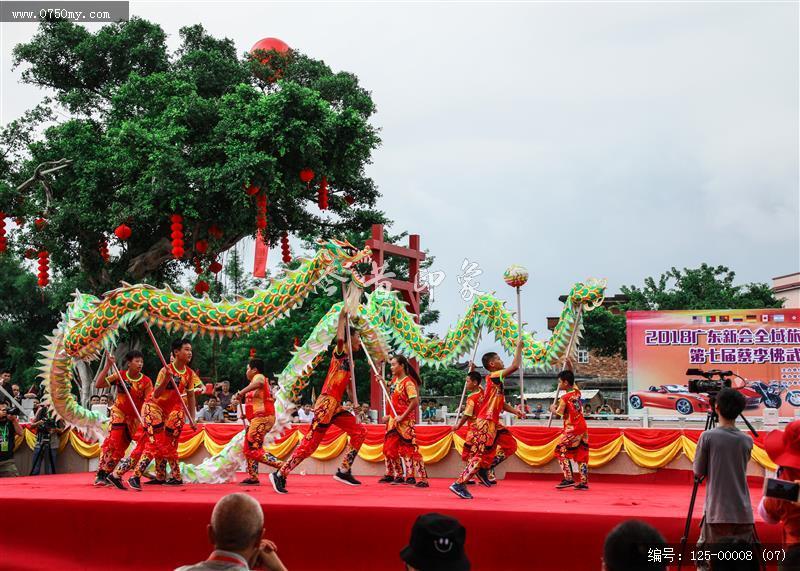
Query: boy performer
(486, 431)
(124, 422)
(400, 441)
(574, 441)
(328, 411)
(260, 412)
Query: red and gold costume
(328, 411)
(574, 441)
(486, 434)
(400, 443)
(163, 419)
(124, 422)
(260, 412)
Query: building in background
(788, 288)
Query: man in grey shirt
(211, 412)
(721, 457)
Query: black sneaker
(155, 482)
(114, 481)
(422, 484)
(411, 481)
(565, 484)
(101, 478)
(250, 482)
(461, 491)
(398, 480)
(386, 480)
(173, 482)
(346, 478)
(582, 486)
(483, 477)
(135, 483)
(278, 482)
(470, 482)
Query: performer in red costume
(574, 441)
(474, 395)
(486, 431)
(123, 413)
(260, 412)
(400, 443)
(328, 411)
(163, 418)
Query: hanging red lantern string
(102, 246)
(198, 269)
(251, 189)
(287, 255)
(177, 236)
(306, 175)
(215, 267)
(44, 268)
(40, 223)
(322, 194)
(3, 239)
(215, 232)
(201, 246)
(261, 211)
(202, 287)
(123, 232)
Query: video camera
(712, 382)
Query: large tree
(706, 287)
(150, 133)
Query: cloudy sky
(578, 139)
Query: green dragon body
(92, 325)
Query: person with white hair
(235, 531)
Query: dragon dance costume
(486, 434)
(124, 422)
(163, 419)
(574, 441)
(260, 412)
(400, 443)
(328, 411)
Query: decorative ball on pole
(517, 276)
(259, 50)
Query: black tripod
(711, 423)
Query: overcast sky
(599, 139)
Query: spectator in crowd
(211, 412)
(627, 547)
(5, 382)
(617, 411)
(224, 394)
(231, 413)
(305, 414)
(721, 458)
(348, 406)
(104, 399)
(436, 544)
(93, 400)
(47, 441)
(16, 392)
(9, 430)
(538, 411)
(587, 410)
(783, 448)
(363, 413)
(235, 531)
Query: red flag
(260, 260)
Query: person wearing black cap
(436, 544)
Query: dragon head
(589, 294)
(345, 257)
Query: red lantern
(261, 211)
(44, 268)
(252, 352)
(348, 198)
(201, 246)
(270, 44)
(103, 248)
(19, 221)
(201, 287)
(30, 253)
(306, 175)
(209, 389)
(123, 232)
(215, 232)
(3, 239)
(322, 194)
(287, 255)
(40, 223)
(197, 268)
(215, 267)
(177, 236)
(251, 190)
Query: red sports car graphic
(678, 398)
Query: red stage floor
(62, 522)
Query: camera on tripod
(712, 382)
